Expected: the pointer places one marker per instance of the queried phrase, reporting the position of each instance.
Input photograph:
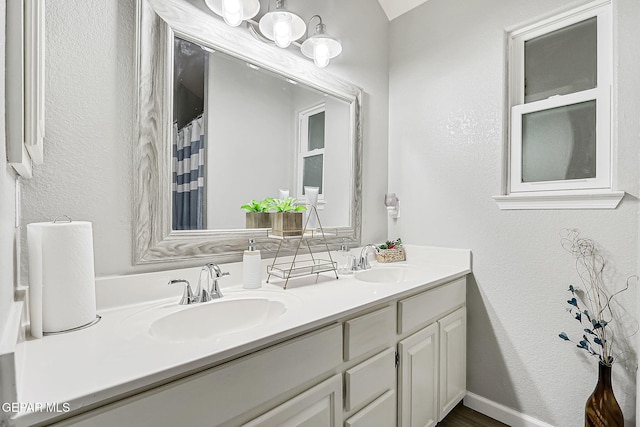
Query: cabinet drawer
(318, 406)
(425, 308)
(380, 413)
(219, 394)
(370, 379)
(368, 333)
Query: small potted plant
(258, 215)
(391, 251)
(287, 219)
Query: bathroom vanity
(380, 347)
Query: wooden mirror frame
(158, 22)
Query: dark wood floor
(461, 416)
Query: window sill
(593, 199)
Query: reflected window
(312, 143)
(560, 82)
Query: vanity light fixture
(321, 47)
(234, 11)
(281, 25)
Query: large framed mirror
(248, 120)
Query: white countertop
(118, 356)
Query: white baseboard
(500, 412)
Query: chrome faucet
(187, 297)
(207, 288)
(363, 262)
(211, 290)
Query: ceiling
(395, 8)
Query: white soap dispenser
(251, 261)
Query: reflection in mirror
(267, 121)
(188, 151)
(243, 133)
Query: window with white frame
(311, 150)
(560, 79)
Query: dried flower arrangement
(591, 305)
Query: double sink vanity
(376, 348)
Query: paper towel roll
(61, 276)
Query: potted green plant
(287, 219)
(258, 215)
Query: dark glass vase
(602, 409)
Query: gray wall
(90, 98)
(248, 157)
(90, 112)
(447, 112)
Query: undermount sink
(388, 275)
(220, 317)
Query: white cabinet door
(453, 360)
(320, 406)
(418, 385)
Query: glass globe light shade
(282, 26)
(234, 11)
(321, 47)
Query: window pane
(561, 62)
(312, 176)
(559, 143)
(316, 131)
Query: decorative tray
(286, 270)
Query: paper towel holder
(77, 328)
(55, 220)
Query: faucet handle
(215, 273)
(216, 269)
(215, 289)
(354, 264)
(187, 296)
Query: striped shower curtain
(188, 176)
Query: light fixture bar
(280, 27)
